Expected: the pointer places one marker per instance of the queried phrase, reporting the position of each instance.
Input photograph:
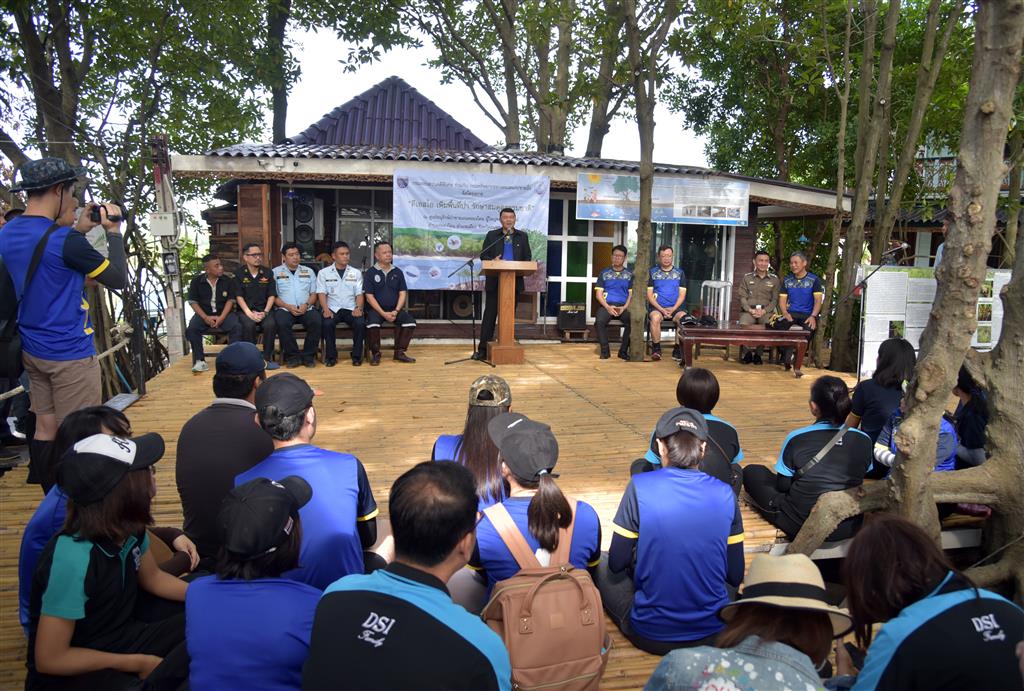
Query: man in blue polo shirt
(53, 317)
(387, 294)
(296, 300)
(340, 521)
(340, 289)
(614, 289)
(398, 627)
(666, 292)
(678, 542)
(799, 300)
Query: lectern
(505, 351)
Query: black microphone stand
(472, 303)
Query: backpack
(10, 336)
(550, 617)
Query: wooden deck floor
(602, 412)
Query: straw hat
(791, 581)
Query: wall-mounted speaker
(304, 222)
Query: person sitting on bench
(666, 292)
(212, 297)
(296, 301)
(387, 293)
(613, 290)
(825, 457)
(340, 289)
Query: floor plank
(602, 412)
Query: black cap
(45, 173)
(256, 517)
(528, 448)
(240, 357)
(94, 465)
(286, 392)
(682, 420)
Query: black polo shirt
(385, 287)
(842, 467)
(218, 443)
(93, 584)
(397, 628)
(255, 289)
(200, 291)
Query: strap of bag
(509, 533)
(802, 470)
(720, 449)
(37, 256)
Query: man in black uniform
(212, 297)
(510, 244)
(398, 628)
(255, 290)
(386, 294)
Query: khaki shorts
(60, 387)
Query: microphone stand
(472, 303)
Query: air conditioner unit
(304, 222)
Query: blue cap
(241, 357)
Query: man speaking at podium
(509, 244)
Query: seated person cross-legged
(971, 420)
(776, 634)
(535, 508)
(677, 547)
(876, 398)
(666, 293)
(386, 295)
(824, 457)
(698, 389)
(489, 396)
(247, 626)
(397, 628)
(340, 521)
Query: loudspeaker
(304, 222)
(572, 316)
(460, 304)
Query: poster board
(704, 200)
(898, 303)
(441, 219)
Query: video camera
(96, 216)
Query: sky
(324, 85)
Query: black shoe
(374, 359)
(757, 360)
(309, 361)
(623, 355)
(677, 355)
(477, 355)
(357, 361)
(748, 358)
(605, 355)
(8, 456)
(330, 362)
(293, 362)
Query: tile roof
(392, 113)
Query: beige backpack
(550, 617)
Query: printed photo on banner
(701, 200)
(440, 220)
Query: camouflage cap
(501, 394)
(45, 173)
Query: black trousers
(490, 318)
(358, 326)
(799, 319)
(268, 327)
(759, 482)
(197, 328)
(310, 320)
(601, 326)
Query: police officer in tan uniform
(759, 297)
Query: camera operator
(53, 321)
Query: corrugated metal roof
(392, 113)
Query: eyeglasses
(255, 254)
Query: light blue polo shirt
(295, 287)
(341, 288)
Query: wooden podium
(505, 351)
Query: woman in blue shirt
(535, 506)
(489, 396)
(247, 627)
(874, 399)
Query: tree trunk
(278, 12)
(1013, 196)
(995, 70)
(600, 117)
(844, 340)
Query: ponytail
(548, 512)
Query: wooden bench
(734, 334)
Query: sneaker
(330, 362)
(309, 361)
(7, 456)
(271, 365)
(757, 360)
(605, 355)
(357, 361)
(623, 355)
(748, 358)
(292, 362)
(400, 356)
(374, 359)
(200, 366)
(677, 354)
(655, 355)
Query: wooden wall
(745, 245)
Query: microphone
(901, 246)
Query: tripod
(472, 314)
